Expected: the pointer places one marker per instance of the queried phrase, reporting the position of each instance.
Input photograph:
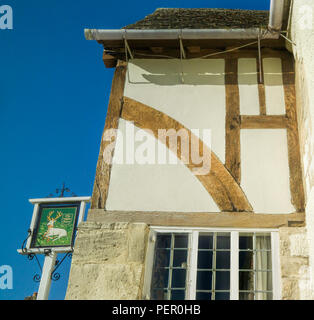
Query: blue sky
(54, 91)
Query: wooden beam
(203, 43)
(194, 53)
(264, 122)
(261, 89)
(199, 219)
(157, 49)
(219, 183)
(193, 49)
(103, 170)
(109, 60)
(296, 181)
(233, 150)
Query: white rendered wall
(154, 187)
(265, 171)
(198, 103)
(274, 92)
(248, 86)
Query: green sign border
(54, 206)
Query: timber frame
(236, 212)
(103, 169)
(199, 219)
(219, 183)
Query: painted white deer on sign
(52, 232)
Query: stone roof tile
(203, 18)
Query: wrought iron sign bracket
(55, 276)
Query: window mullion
(192, 272)
(254, 265)
(170, 267)
(234, 266)
(214, 266)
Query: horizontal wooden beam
(109, 60)
(157, 49)
(197, 52)
(195, 49)
(203, 43)
(197, 219)
(264, 122)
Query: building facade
(203, 186)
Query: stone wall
(108, 261)
(294, 261)
(301, 31)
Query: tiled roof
(169, 18)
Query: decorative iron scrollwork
(36, 278)
(24, 250)
(30, 257)
(55, 276)
(60, 192)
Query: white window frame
(192, 258)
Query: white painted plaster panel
(265, 171)
(198, 103)
(248, 87)
(154, 187)
(274, 92)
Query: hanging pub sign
(52, 232)
(55, 225)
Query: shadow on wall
(168, 72)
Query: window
(170, 266)
(205, 264)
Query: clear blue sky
(54, 91)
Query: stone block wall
(301, 31)
(294, 261)
(108, 261)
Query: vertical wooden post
(261, 88)
(103, 170)
(296, 181)
(232, 118)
